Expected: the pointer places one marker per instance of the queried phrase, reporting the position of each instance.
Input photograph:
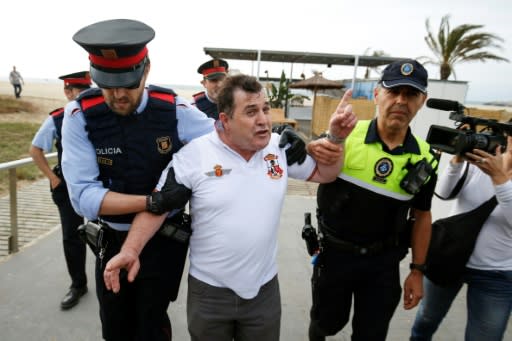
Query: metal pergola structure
(293, 57)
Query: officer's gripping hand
(296, 153)
(172, 196)
(126, 259)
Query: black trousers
(74, 247)
(372, 283)
(139, 311)
(17, 90)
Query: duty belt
(364, 249)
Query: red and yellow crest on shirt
(218, 171)
(274, 171)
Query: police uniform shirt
(45, 136)
(236, 205)
(79, 156)
(371, 174)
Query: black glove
(172, 196)
(296, 153)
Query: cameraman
(489, 269)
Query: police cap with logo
(79, 80)
(406, 72)
(117, 51)
(213, 69)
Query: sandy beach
(48, 95)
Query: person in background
(214, 72)
(236, 179)
(363, 214)
(489, 269)
(16, 80)
(50, 132)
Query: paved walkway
(36, 215)
(33, 281)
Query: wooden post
(13, 239)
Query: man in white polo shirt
(236, 179)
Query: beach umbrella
(315, 83)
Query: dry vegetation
(19, 121)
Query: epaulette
(152, 88)
(199, 95)
(164, 94)
(57, 112)
(92, 92)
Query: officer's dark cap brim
(77, 80)
(403, 82)
(108, 79)
(216, 75)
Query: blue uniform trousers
(74, 247)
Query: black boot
(72, 297)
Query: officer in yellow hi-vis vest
(387, 174)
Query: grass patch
(15, 141)
(14, 145)
(13, 105)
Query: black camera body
(465, 137)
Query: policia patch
(383, 167)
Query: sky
(37, 35)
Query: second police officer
(363, 214)
(214, 72)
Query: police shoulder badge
(164, 144)
(274, 171)
(383, 167)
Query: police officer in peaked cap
(214, 72)
(48, 134)
(117, 139)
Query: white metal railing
(13, 196)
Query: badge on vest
(164, 144)
(274, 171)
(218, 171)
(382, 169)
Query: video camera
(465, 137)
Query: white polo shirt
(235, 208)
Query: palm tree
(462, 44)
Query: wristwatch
(420, 267)
(334, 139)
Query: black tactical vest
(203, 103)
(132, 151)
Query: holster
(178, 228)
(93, 233)
(57, 170)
